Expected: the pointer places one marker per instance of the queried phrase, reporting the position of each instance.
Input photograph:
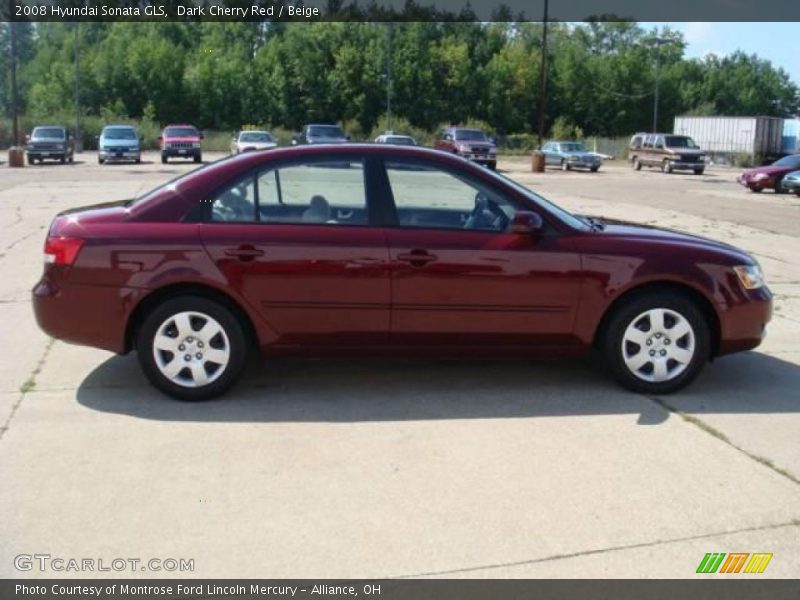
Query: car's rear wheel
(636, 164)
(192, 348)
(656, 343)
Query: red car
(385, 250)
(180, 141)
(769, 177)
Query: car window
(236, 203)
(181, 132)
(119, 133)
(792, 162)
(48, 133)
(429, 197)
(327, 191)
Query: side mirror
(27, 138)
(97, 138)
(525, 223)
(349, 138)
(202, 135)
(160, 139)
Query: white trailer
(791, 136)
(727, 139)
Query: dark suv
(50, 141)
(666, 151)
(470, 143)
(182, 141)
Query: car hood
(626, 229)
(768, 170)
(256, 145)
(582, 153)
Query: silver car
(247, 141)
(791, 183)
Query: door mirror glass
(525, 223)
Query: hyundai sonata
(367, 249)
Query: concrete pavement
(400, 469)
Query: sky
(776, 42)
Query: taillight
(61, 250)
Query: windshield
(48, 133)
(119, 133)
(255, 136)
(562, 214)
(792, 162)
(400, 140)
(181, 132)
(572, 147)
(328, 131)
(679, 141)
(471, 135)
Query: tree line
(223, 75)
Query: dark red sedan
(770, 176)
(385, 250)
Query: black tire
(63, 159)
(31, 160)
(636, 164)
(564, 165)
(232, 327)
(164, 159)
(756, 190)
(699, 171)
(492, 165)
(666, 167)
(198, 158)
(628, 312)
(138, 161)
(594, 169)
(100, 161)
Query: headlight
(573, 157)
(751, 276)
(195, 144)
(760, 176)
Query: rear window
(471, 135)
(255, 136)
(181, 132)
(119, 133)
(330, 131)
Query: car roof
(119, 127)
(180, 125)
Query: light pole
(657, 42)
(389, 32)
(14, 111)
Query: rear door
(297, 241)
(460, 278)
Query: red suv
(381, 249)
(181, 141)
(469, 143)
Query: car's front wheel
(657, 343)
(192, 348)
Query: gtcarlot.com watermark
(45, 563)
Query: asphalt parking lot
(401, 469)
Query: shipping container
(727, 139)
(791, 136)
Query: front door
(297, 242)
(460, 278)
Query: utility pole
(658, 42)
(14, 110)
(78, 137)
(543, 77)
(389, 49)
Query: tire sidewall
(229, 322)
(622, 317)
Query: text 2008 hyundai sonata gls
(334, 250)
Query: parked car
(791, 183)
(246, 141)
(50, 141)
(472, 144)
(119, 143)
(408, 252)
(397, 139)
(771, 176)
(666, 151)
(570, 155)
(182, 141)
(321, 134)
